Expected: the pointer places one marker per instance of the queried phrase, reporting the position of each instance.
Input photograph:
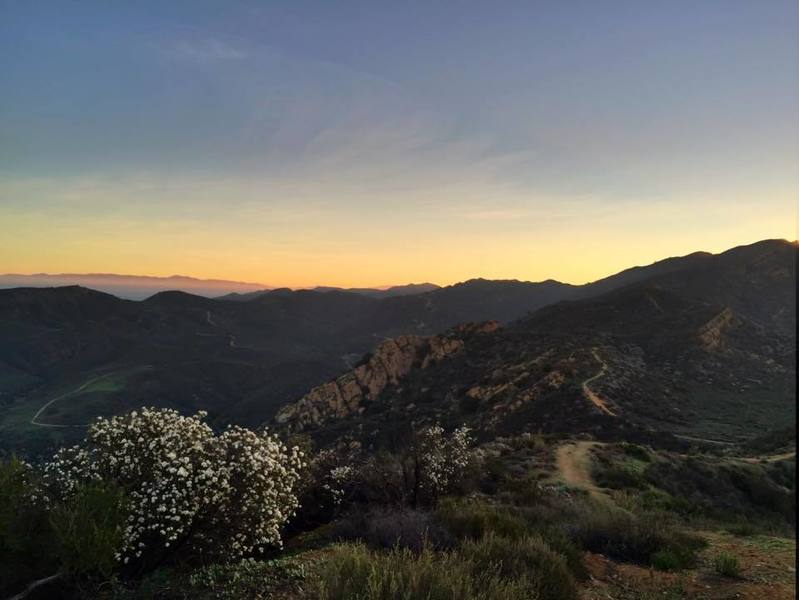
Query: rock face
(711, 333)
(391, 361)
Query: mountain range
(141, 287)
(132, 287)
(699, 346)
(706, 351)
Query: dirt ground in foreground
(768, 572)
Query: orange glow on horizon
(438, 239)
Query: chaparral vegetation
(156, 504)
(146, 489)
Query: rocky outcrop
(391, 361)
(711, 333)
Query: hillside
(69, 354)
(705, 352)
(239, 360)
(630, 444)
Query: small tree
(436, 462)
(327, 484)
(418, 469)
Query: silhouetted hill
(397, 290)
(133, 287)
(76, 353)
(691, 351)
(636, 274)
(70, 304)
(177, 299)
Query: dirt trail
(595, 398)
(767, 571)
(209, 318)
(771, 458)
(34, 419)
(691, 438)
(574, 463)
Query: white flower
(252, 472)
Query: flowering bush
(441, 460)
(432, 464)
(223, 496)
(328, 482)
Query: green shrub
(472, 520)
(620, 476)
(26, 551)
(762, 491)
(742, 528)
(728, 490)
(356, 573)
(248, 578)
(87, 530)
(727, 565)
(531, 441)
(383, 528)
(625, 537)
(673, 559)
(528, 557)
(559, 542)
(654, 499)
(549, 519)
(164, 583)
(524, 491)
(636, 451)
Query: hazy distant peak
(384, 292)
(133, 287)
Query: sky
(376, 143)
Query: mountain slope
(707, 351)
(242, 361)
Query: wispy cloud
(206, 50)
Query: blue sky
(282, 142)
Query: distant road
(34, 419)
(231, 338)
(691, 438)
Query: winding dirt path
(209, 318)
(770, 458)
(691, 438)
(595, 398)
(34, 419)
(574, 464)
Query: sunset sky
(375, 143)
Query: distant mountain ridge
(131, 287)
(244, 360)
(703, 348)
(141, 287)
(389, 292)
